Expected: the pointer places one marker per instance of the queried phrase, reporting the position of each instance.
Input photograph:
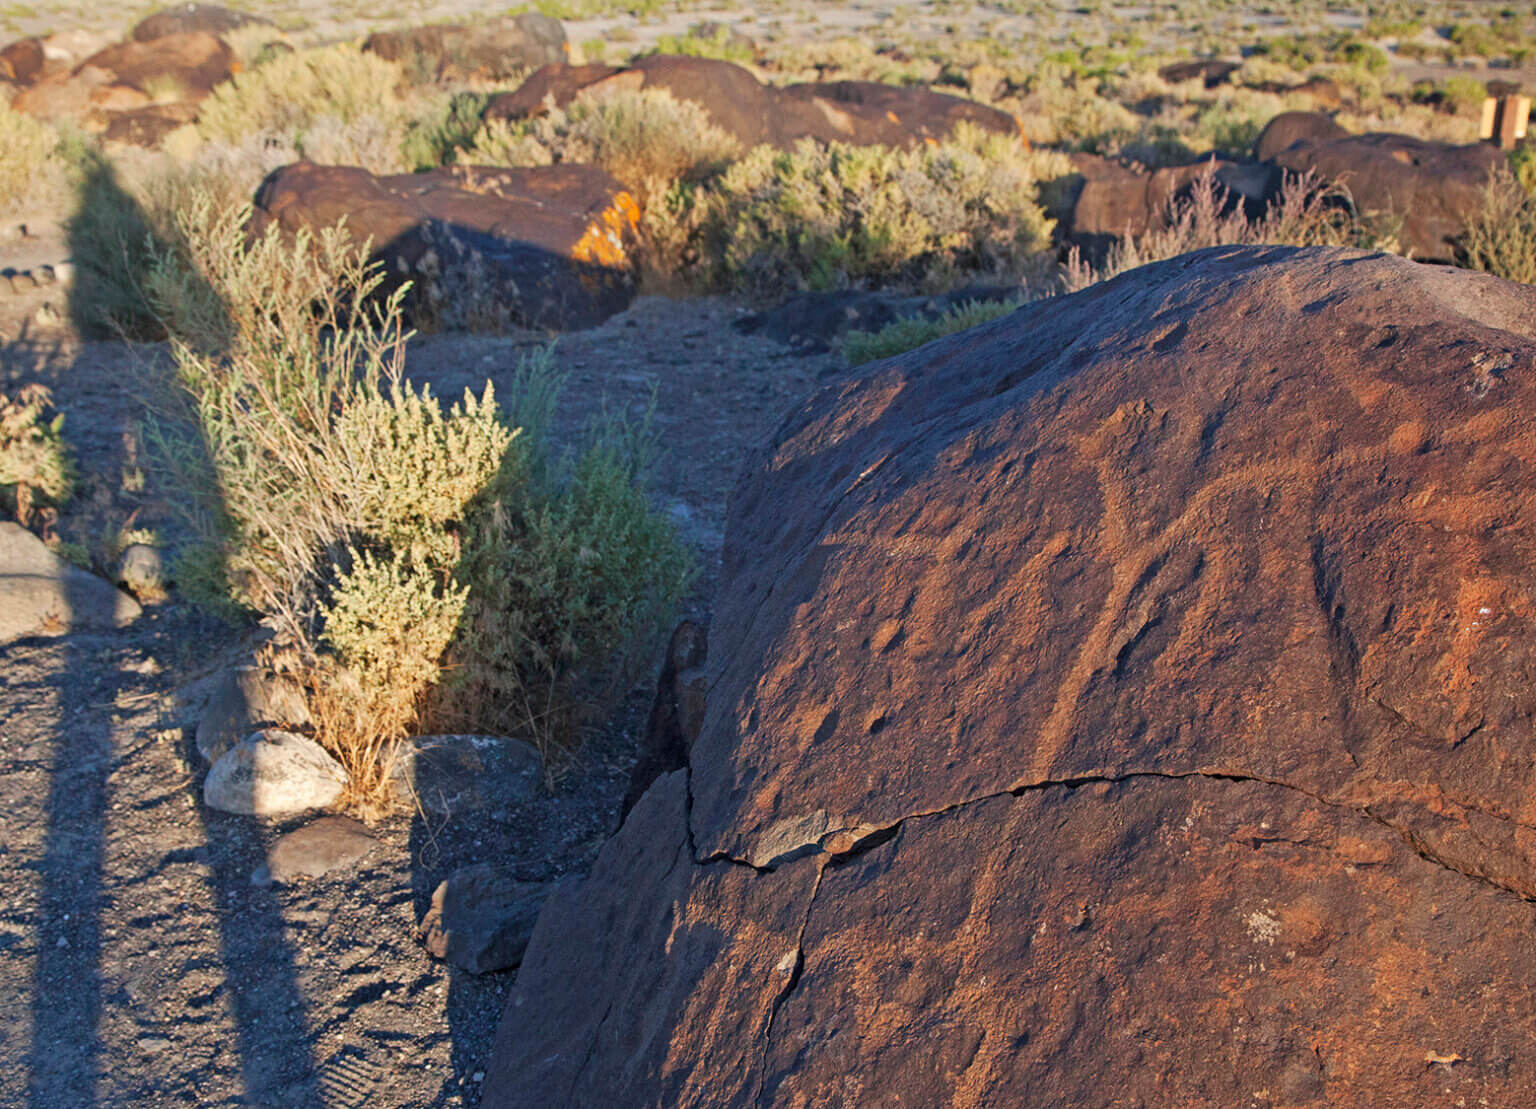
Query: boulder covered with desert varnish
(545, 247)
(1125, 702)
(861, 113)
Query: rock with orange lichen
(545, 247)
(1126, 702)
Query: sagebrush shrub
(374, 529)
(289, 94)
(36, 470)
(830, 216)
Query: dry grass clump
(381, 536)
(31, 166)
(1307, 212)
(36, 470)
(824, 217)
(1501, 237)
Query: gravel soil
(139, 965)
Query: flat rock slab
(480, 920)
(330, 843)
(41, 593)
(454, 774)
(273, 773)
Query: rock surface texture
(859, 112)
(273, 773)
(491, 48)
(547, 247)
(1126, 702)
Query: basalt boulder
(183, 18)
(1126, 702)
(176, 69)
(545, 247)
(1106, 199)
(490, 48)
(1427, 191)
(863, 113)
(22, 61)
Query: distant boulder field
(1127, 701)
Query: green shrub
(435, 139)
(373, 529)
(1522, 163)
(824, 217)
(1464, 95)
(35, 466)
(291, 93)
(708, 40)
(1501, 238)
(914, 331)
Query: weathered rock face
(860, 112)
(490, 48)
(480, 920)
(547, 247)
(128, 77)
(1128, 701)
(1432, 188)
(22, 61)
(1109, 200)
(183, 18)
(1289, 128)
(677, 713)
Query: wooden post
(1505, 120)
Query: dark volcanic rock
(813, 321)
(1289, 128)
(193, 61)
(1212, 71)
(1128, 701)
(22, 61)
(546, 247)
(677, 713)
(1432, 189)
(489, 48)
(480, 920)
(1110, 200)
(859, 112)
(182, 18)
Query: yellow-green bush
(824, 217)
(292, 93)
(35, 466)
(1501, 238)
(372, 528)
(648, 139)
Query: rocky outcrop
(1211, 72)
(1428, 191)
(491, 48)
(22, 61)
(677, 713)
(546, 247)
(863, 113)
(1107, 200)
(1126, 701)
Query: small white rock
(273, 773)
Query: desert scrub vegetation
(401, 549)
(333, 104)
(36, 470)
(32, 166)
(914, 331)
(1501, 237)
(833, 216)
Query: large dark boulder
(1106, 200)
(1289, 128)
(546, 247)
(190, 63)
(1126, 702)
(864, 113)
(23, 61)
(490, 48)
(183, 18)
(1428, 191)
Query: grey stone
(40, 593)
(480, 920)
(319, 847)
(452, 774)
(141, 571)
(273, 773)
(245, 700)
